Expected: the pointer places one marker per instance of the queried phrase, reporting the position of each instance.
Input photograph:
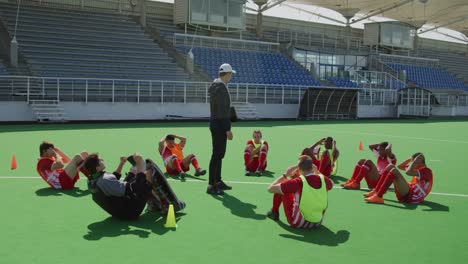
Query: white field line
(232, 182)
(380, 134)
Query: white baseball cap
(226, 68)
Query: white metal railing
(377, 97)
(323, 39)
(125, 90)
(386, 58)
(450, 99)
(375, 79)
(111, 5)
(227, 43)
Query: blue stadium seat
(252, 67)
(429, 77)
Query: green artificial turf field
(41, 225)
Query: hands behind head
(315, 169)
(291, 170)
(388, 149)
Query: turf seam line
(385, 135)
(235, 182)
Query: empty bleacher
(3, 70)
(252, 67)
(71, 43)
(454, 62)
(429, 77)
(342, 82)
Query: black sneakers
(273, 215)
(221, 185)
(213, 190)
(259, 172)
(200, 172)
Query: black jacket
(220, 106)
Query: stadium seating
(70, 43)
(429, 77)
(3, 71)
(343, 82)
(252, 67)
(454, 62)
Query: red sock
(176, 164)
(195, 163)
(389, 178)
(356, 171)
(364, 172)
(247, 158)
(381, 181)
(262, 159)
(277, 200)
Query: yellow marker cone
(170, 220)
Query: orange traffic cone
(13, 163)
(360, 146)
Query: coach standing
(220, 127)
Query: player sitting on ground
(304, 198)
(255, 154)
(323, 158)
(174, 160)
(366, 168)
(56, 168)
(124, 199)
(406, 192)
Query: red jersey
(252, 143)
(295, 185)
(325, 165)
(383, 162)
(292, 193)
(44, 168)
(421, 185)
(167, 152)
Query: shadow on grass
(239, 208)
(267, 173)
(142, 227)
(338, 179)
(430, 206)
(75, 192)
(320, 236)
(187, 176)
(12, 127)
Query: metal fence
(377, 97)
(24, 88)
(447, 99)
(377, 80)
(227, 43)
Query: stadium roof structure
(452, 14)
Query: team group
(302, 189)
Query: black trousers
(219, 141)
